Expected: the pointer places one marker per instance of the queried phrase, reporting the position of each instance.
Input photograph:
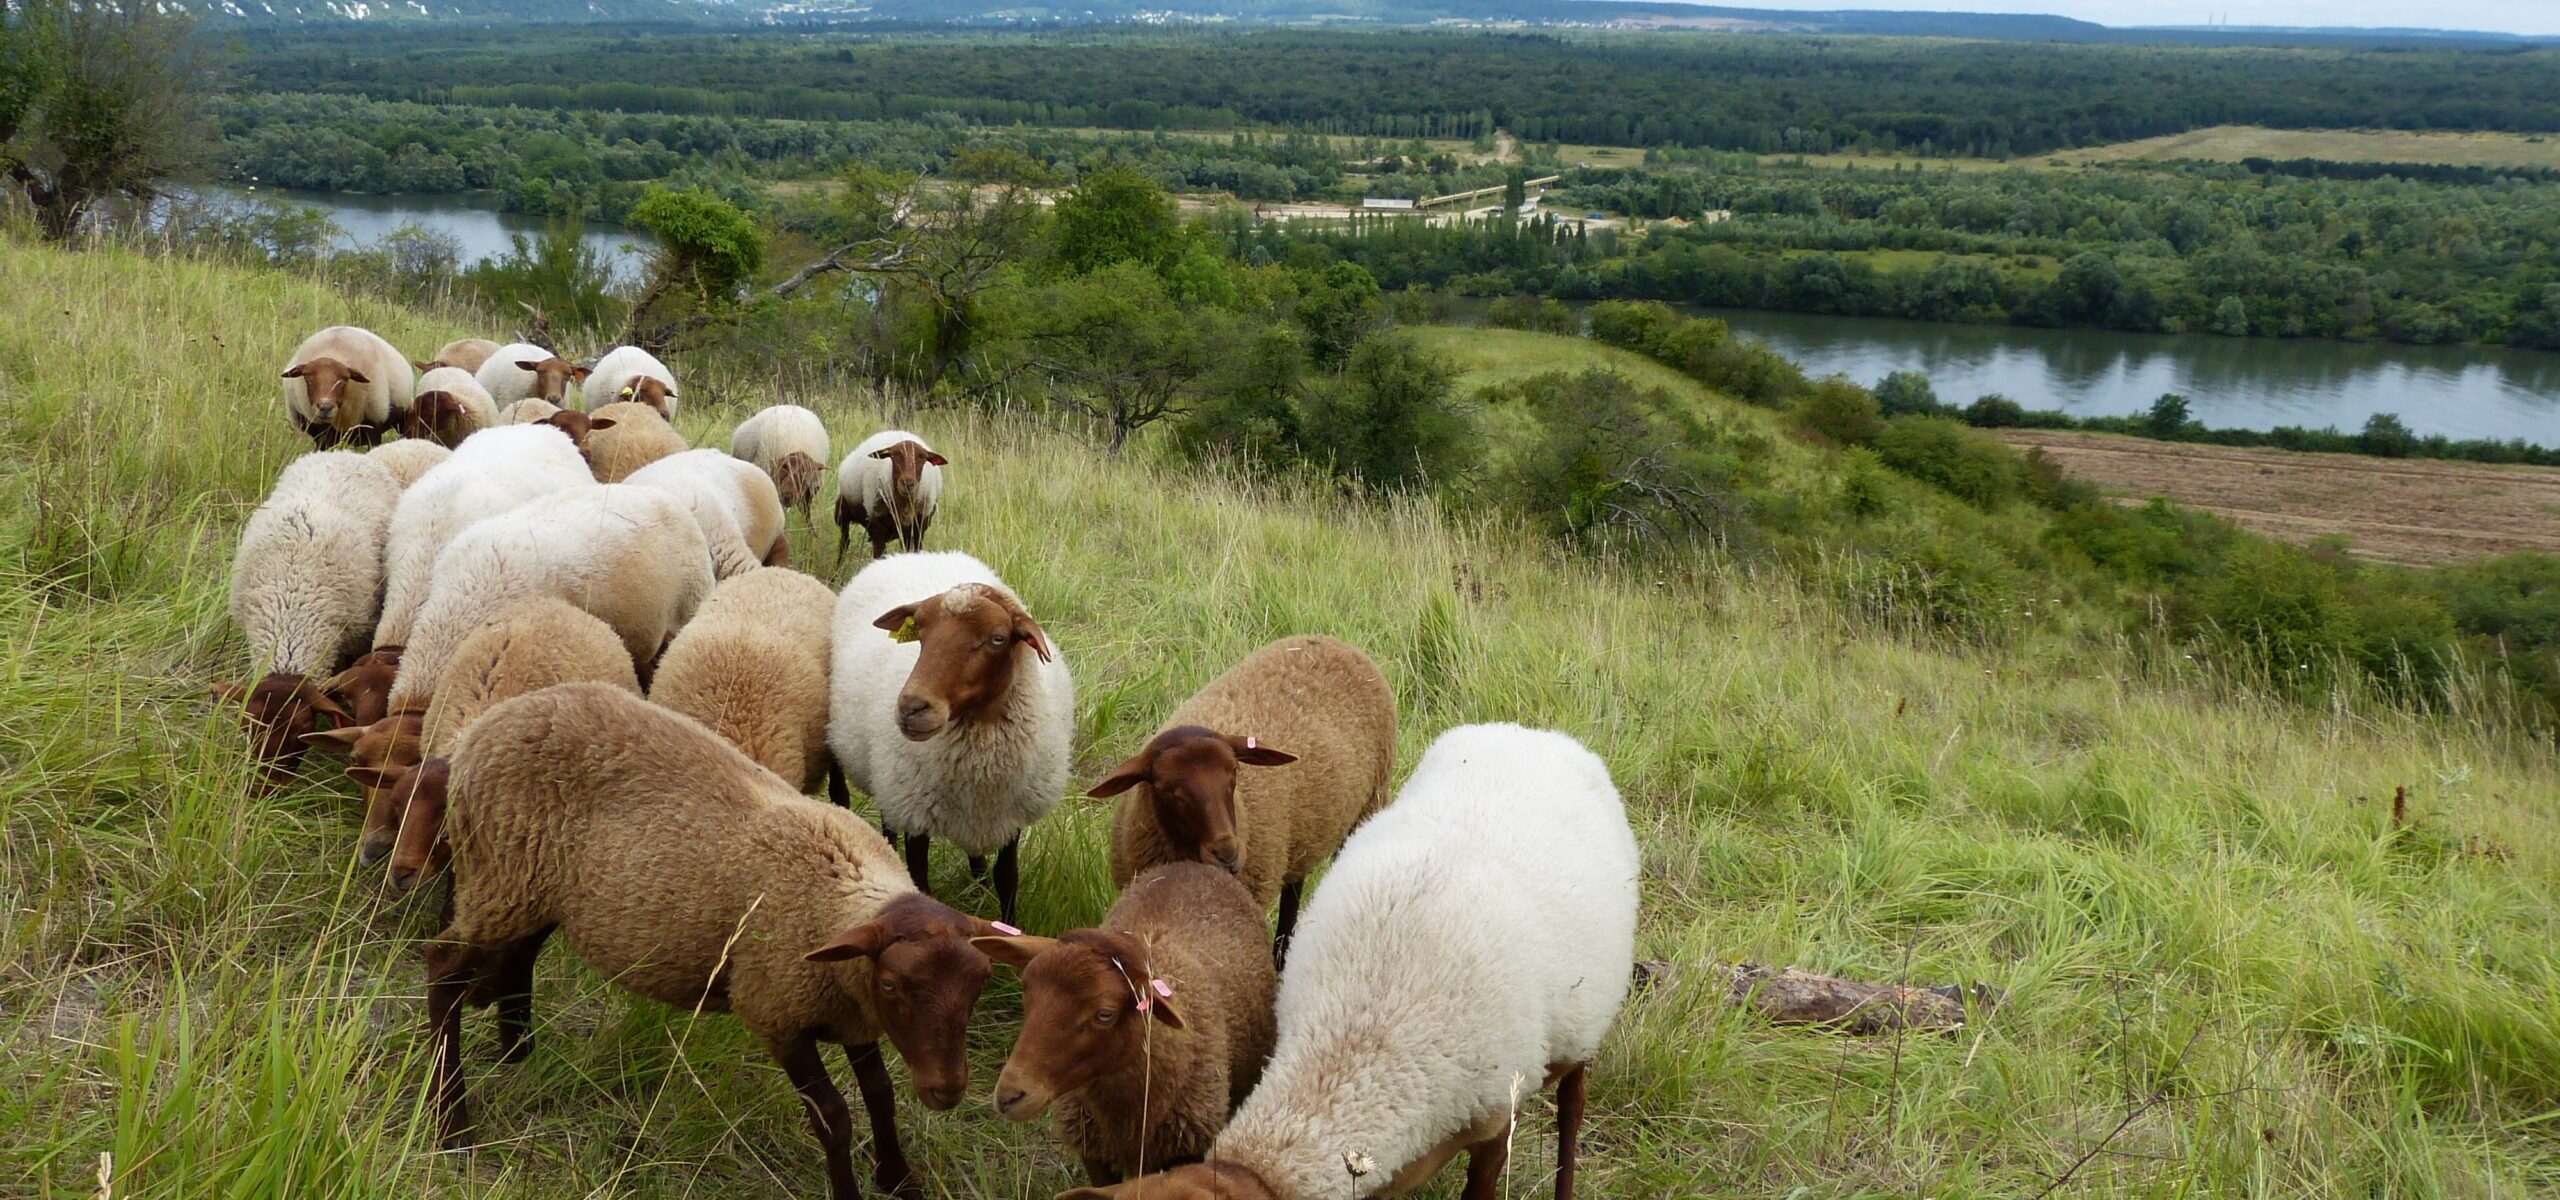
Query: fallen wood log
(1787, 996)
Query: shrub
(2385, 436)
(1393, 420)
(1841, 412)
(1906, 394)
(1973, 468)
(2168, 418)
(1614, 462)
(1995, 411)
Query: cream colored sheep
(752, 665)
(638, 437)
(345, 383)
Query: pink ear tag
(1145, 1002)
(1162, 988)
(1001, 927)
(1251, 744)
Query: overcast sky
(2506, 16)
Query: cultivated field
(2231, 967)
(2231, 143)
(2396, 510)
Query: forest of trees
(1762, 94)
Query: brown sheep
(1312, 701)
(681, 870)
(1131, 1098)
(752, 665)
(532, 645)
(628, 436)
(466, 353)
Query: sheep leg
(837, 792)
(920, 860)
(1288, 922)
(512, 980)
(978, 867)
(451, 968)
(1098, 1172)
(889, 1172)
(829, 1119)
(1569, 1099)
(1485, 1161)
(1008, 878)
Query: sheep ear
(1160, 1006)
(880, 454)
(602, 423)
(1017, 951)
(1123, 777)
(936, 459)
(424, 366)
(357, 376)
(522, 365)
(580, 372)
(295, 371)
(1253, 753)
(321, 701)
(333, 741)
(230, 693)
(866, 940)
(1029, 631)
(896, 619)
(378, 777)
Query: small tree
(707, 251)
(1115, 215)
(2386, 436)
(1907, 394)
(1337, 310)
(96, 102)
(2168, 417)
(1393, 420)
(1117, 348)
(1515, 190)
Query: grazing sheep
(345, 383)
(466, 353)
(891, 485)
(956, 720)
(532, 410)
(1311, 701)
(1132, 1096)
(365, 686)
(790, 444)
(491, 473)
(409, 458)
(680, 870)
(638, 436)
(516, 372)
(629, 373)
(449, 405)
(736, 505)
(579, 426)
(1471, 945)
(532, 645)
(305, 584)
(752, 665)
(630, 556)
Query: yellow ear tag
(906, 631)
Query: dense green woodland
(1761, 94)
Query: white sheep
(516, 372)
(466, 353)
(448, 406)
(1470, 946)
(736, 505)
(345, 383)
(790, 443)
(629, 556)
(633, 374)
(409, 459)
(891, 485)
(493, 472)
(305, 583)
(949, 707)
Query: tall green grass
(2228, 970)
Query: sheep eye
(1106, 1016)
(997, 640)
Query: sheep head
(656, 393)
(1086, 998)
(1190, 773)
(280, 711)
(433, 416)
(577, 425)
(1197, 1181)
(924, 977)
(968, 642)
(378, 756)
(907, 461)
(365, 686)
(324, 384)
(795, 475)
(551, 376)
(418, 849)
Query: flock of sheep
(570, 670)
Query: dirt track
(2395, 510)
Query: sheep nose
(1227, 861)
(403, 879)
(939, 1099)
(1008, 1099)
(373, 849)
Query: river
(2249, 383)
(481, 231)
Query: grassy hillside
(2228, 969)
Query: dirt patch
(2417, 511)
